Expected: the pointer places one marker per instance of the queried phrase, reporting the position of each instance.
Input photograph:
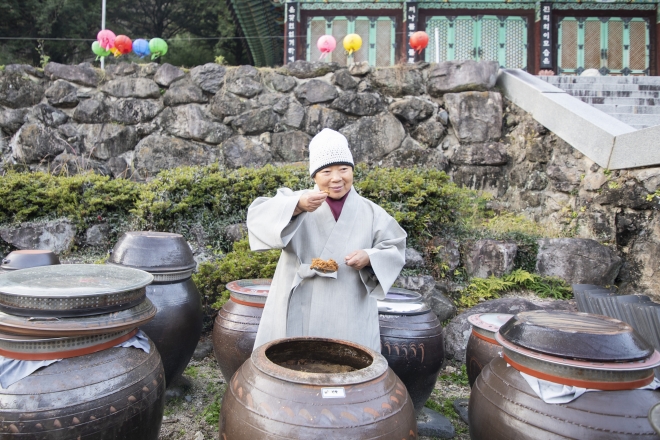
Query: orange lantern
(419, 41)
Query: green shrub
(85, 199)
(483, 289)
(81, 198)
(423, 201)
(205, 200)
(187, 197)
(241, 263)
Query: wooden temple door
(378, 38)
(613, 45)
(480, 38)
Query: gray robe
(305, 302)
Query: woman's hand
(310, 202)
(357, 259)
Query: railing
(602, 138)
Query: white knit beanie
(328, 148)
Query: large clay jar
(412, 342)
(116, 393)
(572, 349)
(79, 314)
(235, 327)
(27, 258)
(312, 388)
(177, 327)
(482, 346)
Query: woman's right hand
(310, 202)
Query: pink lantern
(106, 39)
(326, 44)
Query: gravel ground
(191, 412)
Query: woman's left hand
(357, 259)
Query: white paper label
(333, 393)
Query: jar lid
(399, 301)
(72, 290)
(251, 292)
(50, 326)
(607, 376)
(27, 258)
(490, 322)
(578, 336)
(153, 252)
(30, 348)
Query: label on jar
(333, 393)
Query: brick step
(619, 101)
(628, 109)
(648, 120)
(613, 93)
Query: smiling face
(336, 179)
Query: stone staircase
(634, 100)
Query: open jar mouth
(319, 357)
(319, 361)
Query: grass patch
(191, 371)
(173, 406)
(458, 377)
(211, 413)
(444, 407)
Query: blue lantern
(141, 48)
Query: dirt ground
(192, 414)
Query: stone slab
(636, 149)
(433, 424)
(461, 408)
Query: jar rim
(377, 367)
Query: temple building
(614, 36)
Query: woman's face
(337, 179)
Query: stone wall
(133, 120)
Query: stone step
(645, 80)
(619, 101)
(647, 120)
(600, 86)
(629, 109)
(613, 93)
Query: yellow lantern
(352, 43)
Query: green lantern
(99, 51)
(157, 47)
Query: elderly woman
(332, 221)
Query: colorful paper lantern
(419, 40)
(158, 47)
(123, 44)
(352, 43)
(106, 39)
(141, 48)
(99, 51)
(326, 44)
